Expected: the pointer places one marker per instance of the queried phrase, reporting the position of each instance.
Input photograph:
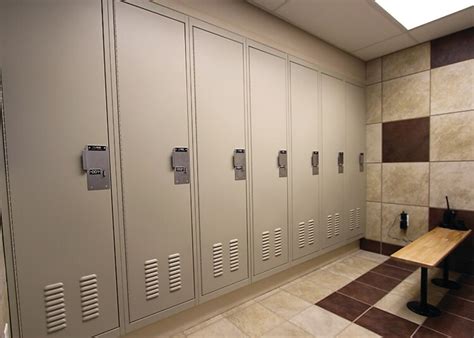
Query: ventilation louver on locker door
(55, 307)
(265, 245)
(352, 220)
(278, 242)
(311, 232)
(152, 286)
(217, 260)
(337, 224)
(357, 223)
(234, 254)
(301, 234)
(329, 226)
(174, 271)
(89, 297)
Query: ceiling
(361, 27)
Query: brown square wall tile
(388, 249)
(343, 306)
(378, 281)
(362, 292)
(406, 141)
(452, 48)
(451, 325)
(391, 271)
(386, 324)
(370, 245)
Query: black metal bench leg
(422, 307)
(445, 282)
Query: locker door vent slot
(329, 226)
(337, 224)
(352, 219)
(89, 297)
(152, 286)
(357, 218)
(278, 247)
(55, 307)
(234, 254)
(311, 232)
(301, 235)
(265, 245)
(217, 259)
(174, 270)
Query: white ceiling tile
(385, 47)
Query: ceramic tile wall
(420, 141)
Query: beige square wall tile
(408, 61)
(405, 183)
(451, 137)
(373, 71)
(391, 232)
(406, 97)
(373, 228)
(452, 88)
(454, 179)
(373, 95)
(374, 142)
(374, 182)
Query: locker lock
(340, 162)
(361, 162)
(95, 162)
(240, 165)
(315, 162)
(180, 165)
(283, 163)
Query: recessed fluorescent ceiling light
(414, 13)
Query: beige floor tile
(255, 320)
(378, 258)
(354, 330)
(360, 262)
(328, 279)
(349, 271)
(203, 324)
(307, 290)
(285, 304)
(266, 295)
(287, 329)
(319, 322)
(239, 308)
(221, 328)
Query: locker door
(305, 126)
(220, 118)
(354, 178)
(153, 113)
(268, 105)
(333, 114)
(55, 105)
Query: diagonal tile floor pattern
(363, 295)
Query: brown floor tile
(378, 281)
(343, 306)
(424, 332)
(467, 279)
(391, 271)
(362, 292)
(386, 324)
(401, 265)
(466, 292)
(457, 306)
(451, 325)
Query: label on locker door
(180, 165)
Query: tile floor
(363, 295)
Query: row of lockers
(229, 160)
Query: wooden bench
(427, 252)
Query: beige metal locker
(333, 160)
(219, 86)
(354, 176)
(268, 109)
(55, 105)
(306, 148)
(153, 116)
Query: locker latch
(361, 162)
(240, 164)
(95, 162)
(283, 163)
(340, 162)
(315, 162)
(180, 165)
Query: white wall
(243, 18)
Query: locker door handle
(283, 163)
(340, 162)
(240, 164)
(180, 165)
(315, 162)
(361, 162)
